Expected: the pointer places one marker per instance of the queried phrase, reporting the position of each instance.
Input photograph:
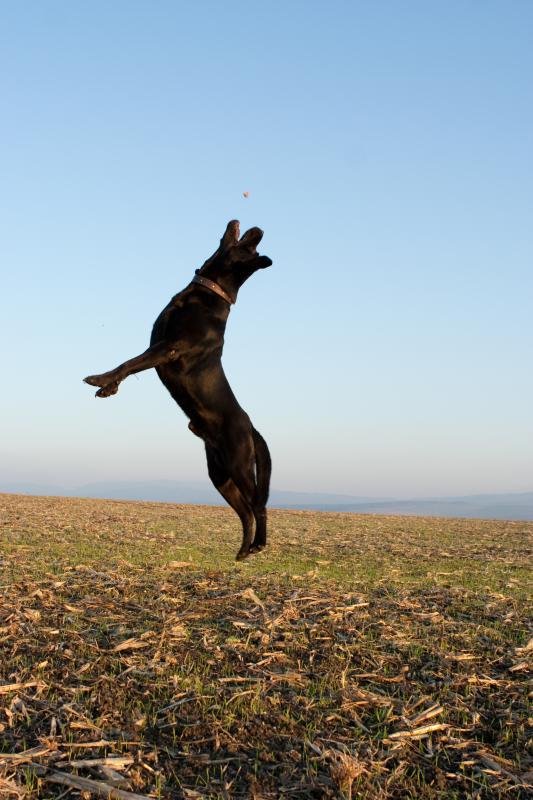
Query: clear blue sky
(387, 149)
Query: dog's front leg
(157, 354)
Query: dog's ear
(262, 261)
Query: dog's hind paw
(254, 548)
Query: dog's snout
(232, 233)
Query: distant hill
(195, 492)
(484, 506)
(512, 506)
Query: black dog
(186, 349)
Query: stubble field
(357, 657)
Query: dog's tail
(263, 468)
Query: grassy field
(357, 657)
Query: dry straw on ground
(153, 678)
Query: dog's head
(236, 258)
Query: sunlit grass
(303, 666)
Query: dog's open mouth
(252, 237)
(249, 240)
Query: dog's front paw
(96, 380)
(108, 390)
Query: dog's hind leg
(248, 465)
(157, 354)
(231, 493)
(263, 471)
(233, 496)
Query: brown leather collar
(214, 288)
